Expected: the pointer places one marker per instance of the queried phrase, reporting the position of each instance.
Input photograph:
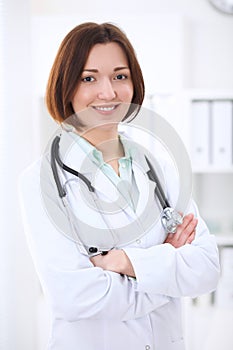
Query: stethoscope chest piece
(171, 219)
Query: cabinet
(211, 128)
(204, 121)
(213, 190)
(210, 147)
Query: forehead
(109, 54)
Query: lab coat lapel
(75, 157)
(106, 190)
(148, 208)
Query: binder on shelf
(200, 133)
(221, 120)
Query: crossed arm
(117, 260)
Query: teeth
(105, 108)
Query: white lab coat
(93, 309)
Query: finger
(189, 223)
(192, 225)
(180, 228)
(186, 220)
(191, 237)
(187, 231)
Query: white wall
(17, 288)
(158, 40)
(208, 40)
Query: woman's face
(105, 89)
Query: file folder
(200, 133)
(222, 133)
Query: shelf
(224, 240)
(210, 94)
(212, 170)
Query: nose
(106, 90)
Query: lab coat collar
(75, 157)
(70, 148)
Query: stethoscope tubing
(158, 191)
(56, 158)
(62, 193)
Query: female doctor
(129, 297)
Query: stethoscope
(170, 217)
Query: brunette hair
(70, 61)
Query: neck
(111, 150)
(97, 137)
(106, 141)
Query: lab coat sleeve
(190, 270)
(75, 288)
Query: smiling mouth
(106, 108)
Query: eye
(88, 79)
(121, 77)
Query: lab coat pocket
(176, 332)
(178, 345)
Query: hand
(116, 260)
(185, 232)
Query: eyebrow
(96, 70)
(120, 68)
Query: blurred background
(185, 48)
